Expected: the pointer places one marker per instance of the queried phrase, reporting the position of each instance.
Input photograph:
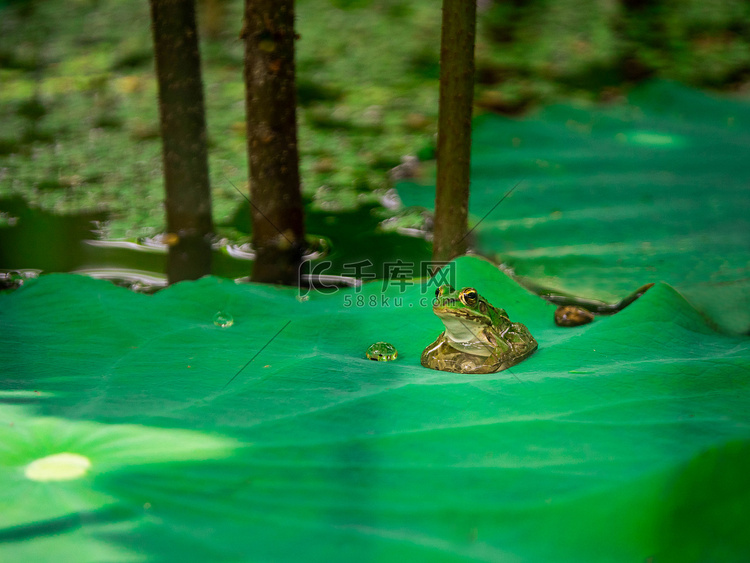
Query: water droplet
(381, 352)
(58, 467)
(223, 320)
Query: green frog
(478, 337)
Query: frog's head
(465, 304)
(463, 312)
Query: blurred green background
(78, 98)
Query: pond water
(34, 241)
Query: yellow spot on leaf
(58, 467)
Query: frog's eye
(469, 296)
(437, 292)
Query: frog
(478, 337)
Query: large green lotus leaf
(612, 197)
(621, 440)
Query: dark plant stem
(454, 128)
(183, 131)
(271, 108)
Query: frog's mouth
(463, 329)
